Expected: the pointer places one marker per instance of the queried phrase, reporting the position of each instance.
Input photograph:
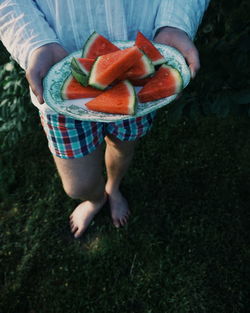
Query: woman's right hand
(41, 60)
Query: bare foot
(119, 208)
(83, 215)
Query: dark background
(186, 247)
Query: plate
(76, 108)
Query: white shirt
(26, 25)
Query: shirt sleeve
(23, 28)
(185, 15)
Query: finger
(35, 82)
(193, 60)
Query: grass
(185, 249)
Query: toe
(78, 233)
(116, 223)
(123, 221)
(74, 229)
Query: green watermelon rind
(89, 43)
(74, 64)
(65, 86)
(81, 78)
(133, 98)
(78, 67)
(79, 72)
(91, 78)
(149, 66)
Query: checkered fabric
(69, 138)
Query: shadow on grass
(185, 248)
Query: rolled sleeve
(23, 29)
(185, 15)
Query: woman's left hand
(178, 39)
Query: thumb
(35, 81)
(192, 57)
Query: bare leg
(118, 157)
(82, 179)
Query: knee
(87, 191)
(75, 192)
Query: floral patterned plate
(77, 109)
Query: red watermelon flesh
(143, 68)
(147, 47)
(107, 68)
(97, 45)
(82, 64)
(72, 89)
(139, 82)
(119, 99)
(166, 82)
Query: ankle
(98, 198)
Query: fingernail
(192, 73)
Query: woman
(40, 33)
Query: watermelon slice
(72, 89)
(147, 47)
(80, 69)
(143, 68)
(97, 45)
(107, 68)
(119, 99)
(166, 82)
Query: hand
(178, 39)
(40, 62)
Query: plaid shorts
(69, 138)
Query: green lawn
(185, 249)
